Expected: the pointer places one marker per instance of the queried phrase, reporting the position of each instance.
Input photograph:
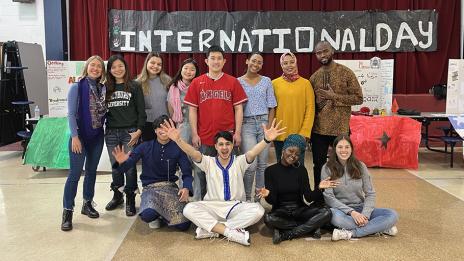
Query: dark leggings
(300, 220)
(320, 145)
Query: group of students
(223, 125)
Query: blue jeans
(252, 134)
(91, 152)
(199, 178)
(113, 138)
(381, 219)
(278, 145)
(186, 135)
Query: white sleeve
(242, 163)
(204, 163)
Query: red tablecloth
(388, 141)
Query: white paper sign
(455, 87)
(60, 75)
(376, 79)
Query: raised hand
(273, 131)
(170, 129)
(120, 155)
(327, 183)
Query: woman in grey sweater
(155, 88)
(352, 201)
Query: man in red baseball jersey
(215, 101)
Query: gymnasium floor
(429, 201)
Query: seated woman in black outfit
(286, 182)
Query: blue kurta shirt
(159, 162)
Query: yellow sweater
(295, 106)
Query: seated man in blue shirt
(162, 200)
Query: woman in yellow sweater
(295, 103)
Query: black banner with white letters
(272, 32)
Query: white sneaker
(155, 224)
(240, 236)
(200, 233)
(391, 231)
(339, 234)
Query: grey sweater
(155, 101)
(351, 192)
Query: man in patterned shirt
(336, 89)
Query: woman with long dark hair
(125, 121)
(86, 115)
(178, 89)
(258, 110)
(352, 202)
(155, 86)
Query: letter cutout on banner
(428, 33)
(389, 141)
(127, 41)
(184, 44)
(261, 33)
(164, 35)
(145, 41)
(378, 36)
(348, 38)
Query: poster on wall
(60, 75)
(376, 79)
(455, 87)
(455, 96)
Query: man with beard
(223, 210)
(336, 89)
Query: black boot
(130, 204)
(316, 234)
(280, 236)
(312, 225)
(66, 223)
(88, 210)
(117, 200)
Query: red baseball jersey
(215, 101)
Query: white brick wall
(22, 22)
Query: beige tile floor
(30, 210)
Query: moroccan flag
(388, 141)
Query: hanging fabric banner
(272, 32)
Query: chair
(451, 138)
(27, 128)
